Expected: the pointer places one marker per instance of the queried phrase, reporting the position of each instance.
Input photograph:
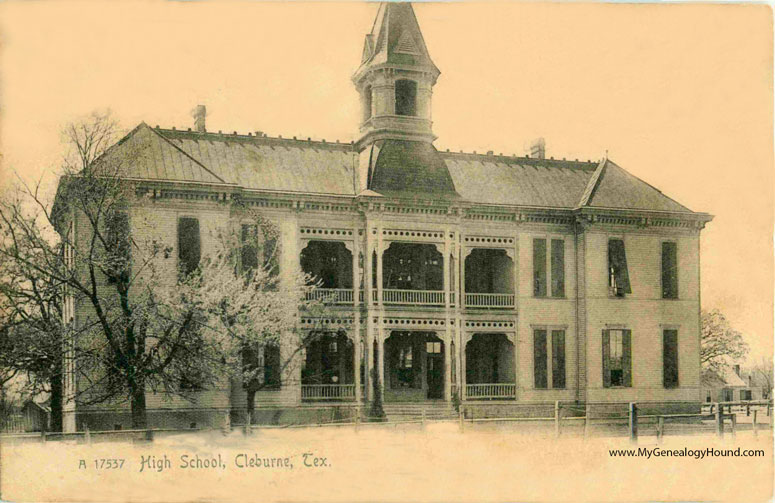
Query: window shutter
(539, 358)
(558, 358)
(669, 270)
(558, 268)
(606, 356)
(617, 258)
(189, 244)
(670, 359)
(627, 357)
(539, 267)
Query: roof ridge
(187, 154)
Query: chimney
(538, 148)
(199, 113)
(737, 370)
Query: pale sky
(679, 95)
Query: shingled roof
(399, 169)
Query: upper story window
(366, 103)
(618, 277)
(406, 97)
(548, 270)
(117, 246)
(669, 270)
(189, 245)
(249, 251)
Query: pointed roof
(396, 39)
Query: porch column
(448, 363)
(368, 357)
(381, 360)
(463, 343)
(357, 357)
(380, 251)
(356, 317)
(368, 287)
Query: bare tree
(140, 328)
(762, 376)
(720, 342)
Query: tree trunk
(56, 402)
(139, 416)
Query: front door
(435, 375)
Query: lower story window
(617, 361)
(549, 354)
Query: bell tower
(395, 79)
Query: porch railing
(327, 392)
(498, 300)
(490, 391)
(336, 295)
(413, 297)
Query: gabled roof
(398, 169)
(726, 378)
(612, 187)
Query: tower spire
(395, 78)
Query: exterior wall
(545, 312)
(646, 314)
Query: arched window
(366, 103)
(406, 97)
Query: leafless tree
(720, 344)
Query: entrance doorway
(414, 366)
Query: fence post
(748, 410)
(753, 424)
(557, 418)
(633, 422)
(587, 418)
(719, 421)
(357, 418)
(423, 416)
(733, 417)
(87, 434)
(43, 435)
(462, 418)
(660, 428)
(248, 421)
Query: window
(539, 358)
(189, 245)
(433, 347)
(558, 358)
(745, 394)
(670, 358)
(729, 395)
(406, 97)
(117, 246)
(558, 268)
(542, 358)
(271, 250)
(618, 277)
(555, 266)
(249, 252)
(272, 366)
(616, 358)
(669, 270)
(367, 103)
(539, 267)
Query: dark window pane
(406, 97)
(539, 358)
(618, 276)
(606, 340)
(558, 358)
(118, 249)
(539, 267)
(270, 255)
(626, 358)
(558, 268)
(189, 246)
(249, 247)
(670, 358)
(272, 370)
(669, 270)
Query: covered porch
(490, 372)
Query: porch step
(414, 411)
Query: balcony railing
(335, 295)
(413, 297)
(496, 300)
(321, 392)
(491, 391)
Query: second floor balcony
(411, 274)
